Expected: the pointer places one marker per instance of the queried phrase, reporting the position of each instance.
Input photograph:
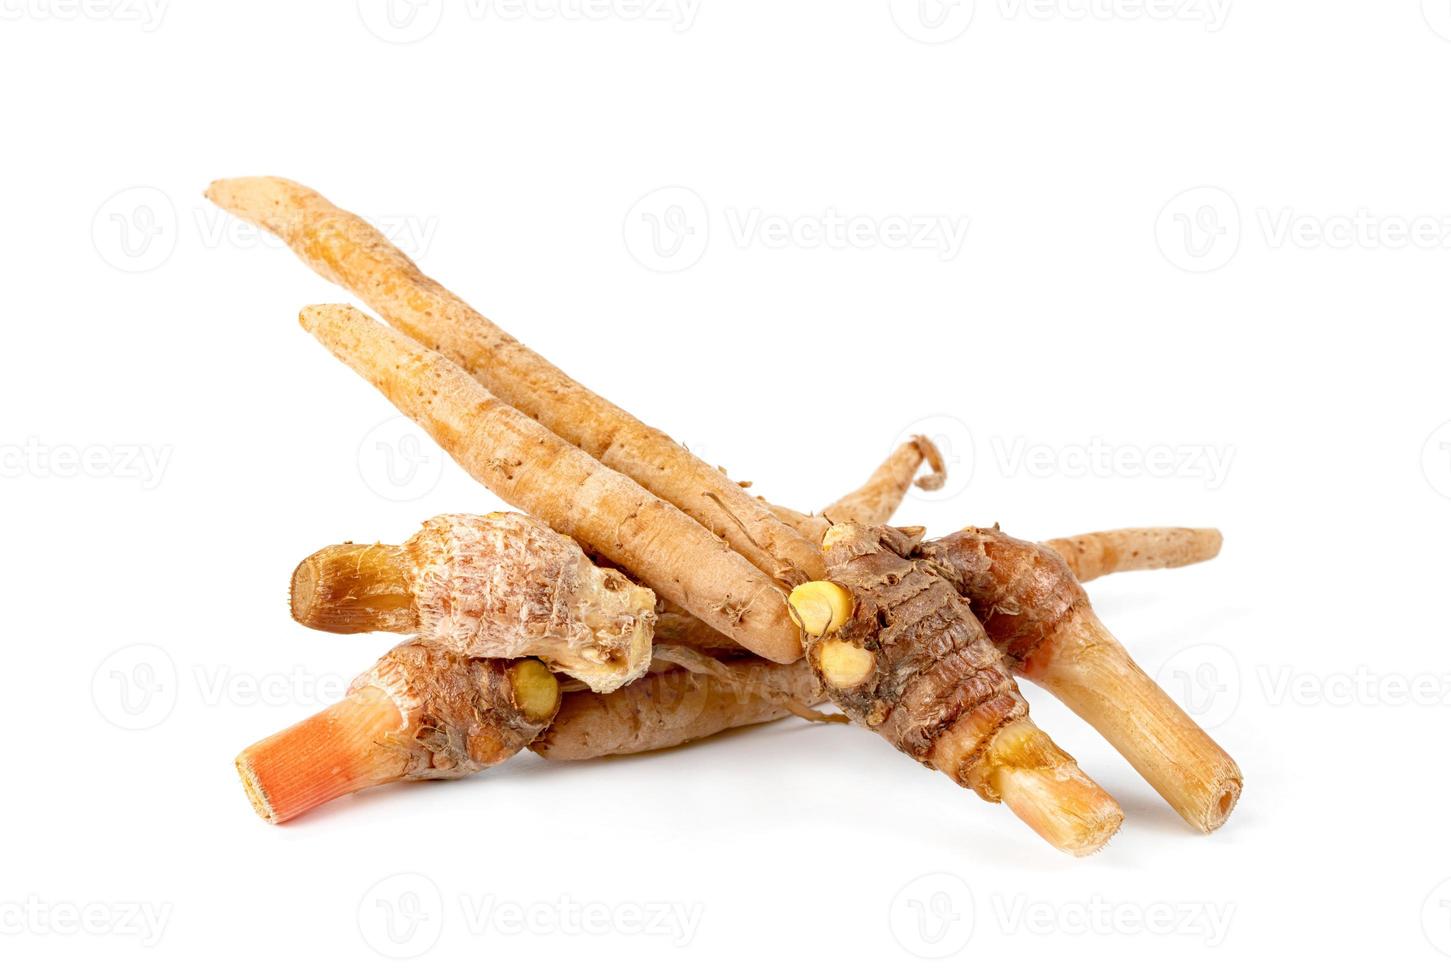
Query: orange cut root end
(337, 751)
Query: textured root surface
(935, 669)
(1090, 556)
(674, 707)
(1039, 616)
(533, 469)
(505, 585)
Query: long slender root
(345, 249)
(575, 494)
(1090, 556)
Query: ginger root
(1040, 618)
(913, 664)
(497, 585)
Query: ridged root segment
(419, 713)
(913, 664)
(1040, 618)
(354, 588)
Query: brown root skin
(570, 491)
(1039, 616)
(673, 707)
(497, 585)
(345, 249)
(1090, 556)
(419, 713)
(939, 690)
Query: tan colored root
(875, 501)
(497, 585)
(419, 713)
(1039, 616)
(575, 494)
(663, 710)
(345, 249)
(1090, 556)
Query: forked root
(1039, 616)
(912, 663)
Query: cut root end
(337, 751)
(820, 607)
(845, 665)
(354, 588)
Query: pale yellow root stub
(345, 249)
(575, 494)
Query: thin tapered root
(1091, 556)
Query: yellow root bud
(536, 692)
(845, 665)
(820, 607)
(834, 534)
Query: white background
(1186, 253)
